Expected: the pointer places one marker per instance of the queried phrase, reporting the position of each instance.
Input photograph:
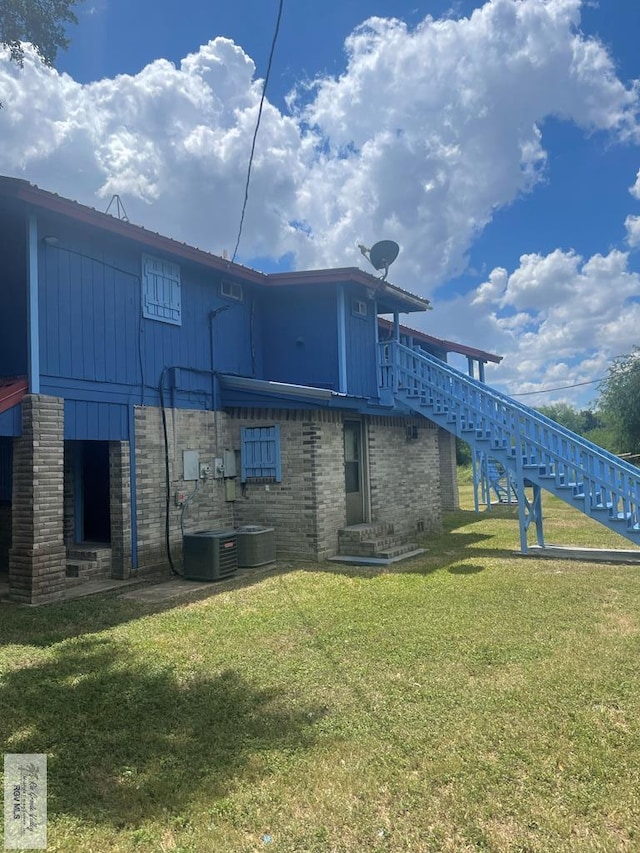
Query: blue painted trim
(133, 489)
(34, 328)
(342, 340)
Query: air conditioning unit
(210, 555)
(256, 545)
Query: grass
(468, 700)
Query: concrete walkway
(598, 555)
(154, 589)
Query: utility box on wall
(256, 545)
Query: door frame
(363, 467)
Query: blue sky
(497, 142)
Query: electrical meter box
(229, 463)
(191, 465)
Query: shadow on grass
(465, 569)
(52, 623)
(129, 740)
(463, 517)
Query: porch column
(37, 559)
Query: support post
(37, 559)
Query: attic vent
(359, 308)
(231, 290)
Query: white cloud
(425, 134)
(632, 224)
(563, 334)
(635, 189)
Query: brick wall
(205, 432)
(37, 560)
(120, 509)
(448, 470)
(69, 523)
(404, 474)
(308, 507)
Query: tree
(619, 401)
(581, 422)
(41, 22)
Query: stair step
(360, 532)
(397, 551)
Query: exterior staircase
(537, 453)
(88, 562)
(373, 544)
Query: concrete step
(359, 532)
(398, 550)
(88, 562)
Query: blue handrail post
(522, 503)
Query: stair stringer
(539, 453)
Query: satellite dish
(381, 255)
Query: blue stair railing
(536, 452)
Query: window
(231, 290)
(359, 308)
(161, 291)
(260, 450)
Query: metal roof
(390, 296)
(441, 343)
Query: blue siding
(13, 296)
(11, 421)
(301, 336)
(96, 345)
(361, 345)
(95, 421)
(6, 464)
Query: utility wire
(255, 133)
(565, 387)
(559, 388)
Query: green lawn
(468, 700)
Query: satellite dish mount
(381, 255)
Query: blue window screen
(261, 453)
(6, 455)
(161, 291)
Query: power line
(255, 133)
(559, 388)
(566, 387)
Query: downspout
(342, 341)
(32, 306)
(214, 379)
(133, 489)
